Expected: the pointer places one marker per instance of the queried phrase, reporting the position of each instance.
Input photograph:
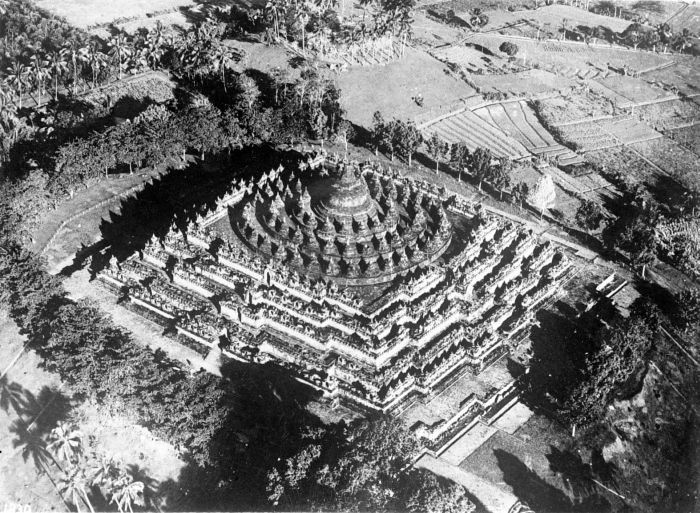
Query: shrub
(509, 48)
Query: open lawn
(391, 88)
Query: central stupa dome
(341, 222)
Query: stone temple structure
(379, 290)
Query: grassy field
(85, 13)
(390, 89)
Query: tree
(66, 442)
(125, 492)
(637, 238)
(687, 315)
(509, 48)
(500, 175)
(73, 487)
(39, 72)
(120, 49)
(378, 130)
(438, 149)
(247, 93)
(480, 164)
(221, 59)
(74, 52)
(612, 371)
(407, 139)
(432, 497)
(17, 76)
(365, 466)
(543, 195)
(520, 193)
(344, 133)
(96, 60)
(589, 215)
(57, 67)
(460, 158)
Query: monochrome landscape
(325, 255)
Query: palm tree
(57, 67)
(75, 54)
(39, 72)
(96, 60)
(126, 492)
(153, 45)
(120, 48)
(221, 58)
(17, 77)
(66, 442)
(73, 488)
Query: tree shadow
(176, 197)
(37, 415)
(150, 485)
(540, 495)
(266, 424)
(559, 348)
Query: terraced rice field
(607, 133)
(468, 128)
(688, 137)
(587, 136)
(670, 115)
(518, 121)
(628, 130)
(677, 161)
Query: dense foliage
(365, 466)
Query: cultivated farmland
(518, 121)
(472, 130)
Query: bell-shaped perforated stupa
(349, 226)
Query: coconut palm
(57, 67)
(75, 55)
(221, 59)
(17, 76)
(153, 45)
(96, 60)
(126, 492)
(39, 72)
(73, 488)
(120, 48)
(66, 442)
(104, 473)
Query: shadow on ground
(543, 497)
(266, 425)
(177, 197)
(36, 415)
